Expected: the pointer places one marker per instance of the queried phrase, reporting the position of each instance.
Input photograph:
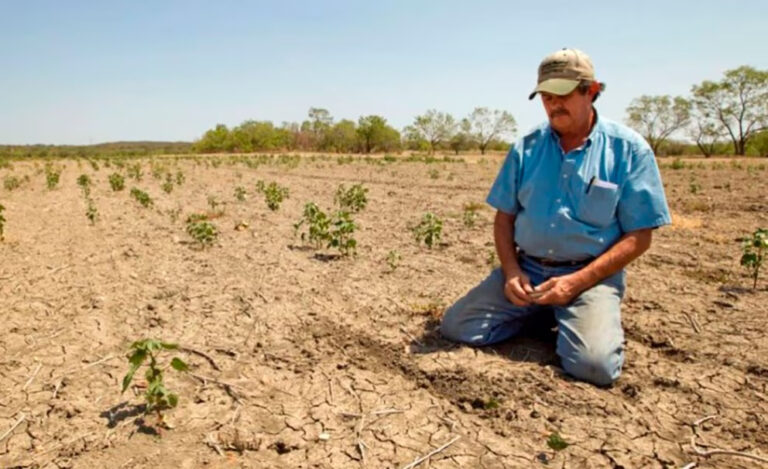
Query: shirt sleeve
(503, 194)
(643, 203)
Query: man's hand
(558, 291)
(517, 287)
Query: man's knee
(454, 327)
(598, 367)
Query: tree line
(725, 116)
(483, 129)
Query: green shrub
(52, 176)
(353, 199)
(429, 230)
(2, 222)
(142, 197)
(274, 194)
(754, 251)
(116, 182)
(201, 230)
(11, 182)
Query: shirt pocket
(596, 203)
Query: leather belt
(553, 263)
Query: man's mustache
(558, 112)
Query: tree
(487, 126)
(707, 134)
(737, 102)
(374, 134)
(342, 137)
(658, 117)
(435, 127)
(462, 140)
(214, 140)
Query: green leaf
(128, 377)
(169, 346)
(556, 442)
(179, 365)
(173, 400)
(137, 358)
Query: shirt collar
(590, 137)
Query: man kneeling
(577, 200)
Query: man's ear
(594, 88)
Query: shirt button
(551, 251)
(565, 176)
(557, 200)
(551, 225)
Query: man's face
(569, 113)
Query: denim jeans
(590, 337)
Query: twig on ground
(210, 442)
(97, 362)
(410, 336)
(703, 419)
(724, 452)
(13, 427)
(201, 354)
(228, 387)
(431, 453)
(694, 323)
(31, 378)
(690, 465)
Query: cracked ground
(301, 359)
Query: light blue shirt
(575, 206)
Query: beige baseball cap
(561, 72)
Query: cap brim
(558, 86)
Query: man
(577, 200)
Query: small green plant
(85, 184)
(167, 186)
(318, 224)
(174, 213)
(677, 163)
(491, 259)
(240, 193)
(52, 176)
(116, 182)
(694, 187)
(469, 215)
(754, 251)
(91, 213)
(556, 442)
(274, 194)
(260, 186)
(342, 233)
(134, 171)
(157, 396)
(141, 197)
(2, 222)
(11, 182)
(180, 178)
(434, 173)
(201, 230)
(393, 260)
(353, 199)
(429, 230)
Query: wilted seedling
(240, 193)
(52, 176)
(213, 202)
(157, 396)
(91, 213)
(116, 182)
(755, 249)
(2, 223)
(201, 230)
(429, 230)
(142, 197)
(393, 260)
(353, 199)
(556, 442)
(85, 184)
(694, 187)
(134, 171)
(274, 194)
(469, 216)
(167, 186)
(11, 182)
(260, 186)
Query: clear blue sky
(76, 72)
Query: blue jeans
(589, 340)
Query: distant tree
(759, 143)
(462, 139)
(707, 134)
(342, 137)
(737, 102)
(374, 133)
(435, 127)
(414, 140)
(214, 140)
(658, 117)
(487, 125)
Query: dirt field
(306, 360)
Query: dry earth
(303, 360)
